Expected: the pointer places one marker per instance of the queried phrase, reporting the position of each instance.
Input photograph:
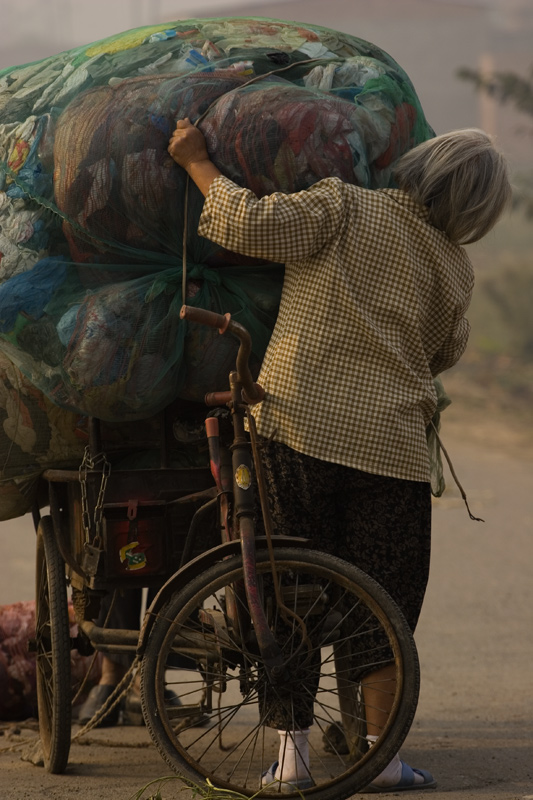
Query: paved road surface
(474, 725)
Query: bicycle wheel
(352, 627)
(52, 636)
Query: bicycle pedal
(216, 620)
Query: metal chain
(92, 463)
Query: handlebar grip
(223, 398)
(212, 428)
(204, 317)
(217, 398)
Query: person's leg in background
(119, 611)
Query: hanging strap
(454, 475)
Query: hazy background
(492, 388)
(429, 38)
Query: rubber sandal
(268, 779)
(406, 782)
(95, 700)
(133, 715)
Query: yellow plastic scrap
(124, 41)
(18, 155)
(17, 144)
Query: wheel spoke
(337, 628)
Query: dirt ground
(474, 724)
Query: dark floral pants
(381, 525)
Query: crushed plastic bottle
(161, 36)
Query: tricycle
(247, 626)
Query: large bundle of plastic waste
(36, 434)
(95, 217)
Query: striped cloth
(372, 309)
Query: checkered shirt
(372, 309)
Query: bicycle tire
(190, 751)
(52, 636)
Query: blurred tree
(512, 293)
(504, 86)
(508, 87)
(511, 290)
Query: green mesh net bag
(93, 211)
(36, 434)
(94, 215)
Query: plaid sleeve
(279, 227)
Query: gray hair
(462, 180)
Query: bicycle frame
(229, 610)
(243, 391)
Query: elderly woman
(375, 292)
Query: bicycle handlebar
(252, 392)
(205, 317)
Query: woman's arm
(188, 149)
(280, 227)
